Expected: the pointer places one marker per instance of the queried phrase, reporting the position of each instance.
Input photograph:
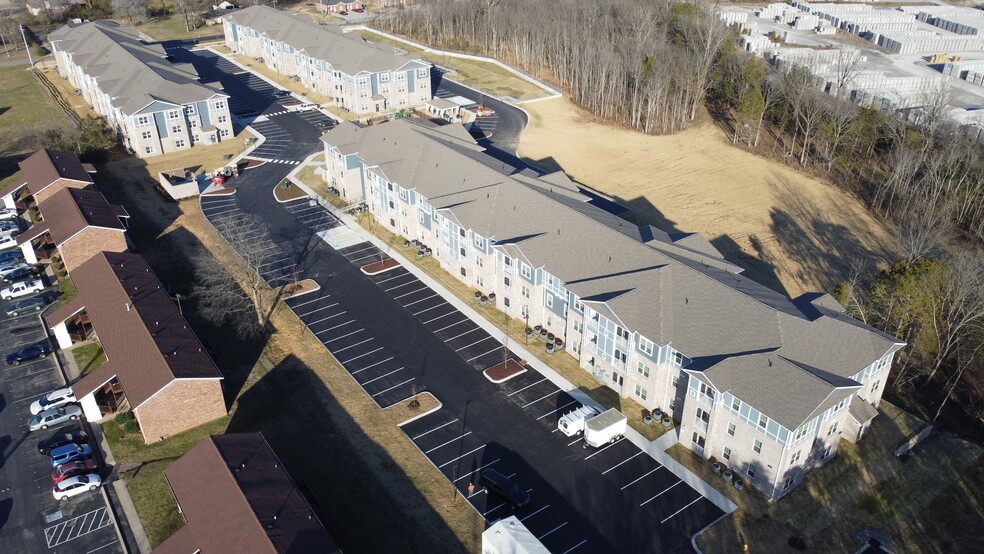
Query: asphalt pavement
(396, 336)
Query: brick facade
(179, 406)
(88, 243)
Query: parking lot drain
(53, 516)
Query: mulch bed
(302, 287)
(379, 267)
(292, 192)
(500, 373)
(247, 163)
(221, 192)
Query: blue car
(69, 453)
(11, 256)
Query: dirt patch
(302, 287)
(409, 410)
(289, 192)
(500, 373)
(792, 232)
(248, 163)
(379, 267)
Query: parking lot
(31, 520)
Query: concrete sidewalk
(656, 449)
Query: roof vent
(128, 306)
(770, 362)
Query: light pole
(26, 47)
(526, 335)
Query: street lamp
(526, 335)
(26, 47)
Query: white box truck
(572, 423)
(605, 428)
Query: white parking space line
(528, 516)
(441, 426)
(469, 474)
(363, 249)
(557, 410)
(640, 478)
(361, 356)
(460, 457)
(299, 304)
(575, 546)
(472, 330)
(443, 316)
(681, 509)
(428, 309)
(487, 337)
(305, 314)
(76, 527)
(382, 376)
(551, 531)
(372, 366)
(497, 348)
(391, 388)
(411, 282)
(450, 326)
(527, 386)
(660, 494)
(493, 509)
(575, 442)
(336, 326)
(622, 462)
(447, 443)
(411, 292)
(325, 319)
(544, 397)
(369, 257)
(421, 300)
(354, 345)
(345, 335)
(391, 278)
(101, 547)
(600, 450)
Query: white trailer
(605, 428)
(572, 423)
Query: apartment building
(156, 105)
(362, 77)
(765, 383)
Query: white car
(8, 267)
(53, 399)
(76, 485)
(7, 241)
(22, 289)
(7, 214)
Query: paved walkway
(656, 449)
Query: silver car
(54, 416)
(53, 399)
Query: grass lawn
(88, 357)
(562, 362)
(864, 487)
(23, 104)
(173, 28)
(289, 192)
(478, 74)
(66, 291)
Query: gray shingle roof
(674, 290)
(345, 52)
(133, 73)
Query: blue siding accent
(374, 82)
(161, 125)
(202, 108)
(352, 161)
(411, 76)
(426, 220)
(654, 357)
(558, 303)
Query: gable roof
(672, 289)
(69, 211)
(134, 73)
(344, 51)
(46, 166)
(147, 342)
(236, 496)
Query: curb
(427, 413)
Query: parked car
(325, 123)
(73, 469)
(8, 214)
(358, 10)
(8, 256)
(22, 289)
(76, 485)
(9, 225)
(54, 416)
(53, 399)
(11, 266)
(281, 93)
(61, 439)
(7, 241)
(28, 353)
(343, 13)
(21, 273)
(70, 453)
(500, 485)
(35, 303)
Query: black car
(61, 439)
(281, 93)
(32, 304)
(20, 273)
(39, 350)
(325, 123)
(500, 485)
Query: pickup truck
(22, 289)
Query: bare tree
(189, 11)
(847, 65)
(129, 10)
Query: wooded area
(650, 64)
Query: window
(833, 429)
(750, 472)
(193, 123)
(148, 150)
(788, 482)
(640, 392)
(736, 404)
(463, 272)
(362, 81)
(825, 453)
(623, 333)
(174, 114)
(757, 446)
(643, 369)
(506, 282)
(190, 109)
(146, 135)
(479, 281)
(526, 271)
(676, 380)
(175, 129)
(579, 306)
(217, 105)
(550, 301)
(179, 143)
(479, 242)
(224, 132)
(795, 458)
(400, 76)
(578, 326)
(422, 72)
(619, 356)
(678, 359)
(726, 454)
(505, 302)
(646, 346)
(801, 432)
(143, 120)
(461, 251)
(478, 259)
(507, 261)
(763, 421)
(731, 429)
(874, 386)
(384, 77)
(221, 119)
(525, 312)
(525, 291)
(196, 138)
